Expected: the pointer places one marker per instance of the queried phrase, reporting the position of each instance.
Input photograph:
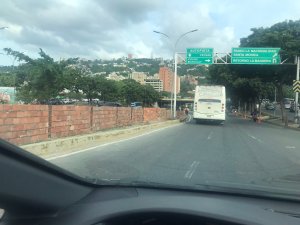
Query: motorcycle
(254, 116)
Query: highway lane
(240, 152)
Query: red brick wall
(21, 124)
(24, 124)
(155, 114)
(104, 118)
(123, 116)
(70, 120)
(137, 115)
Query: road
(239, 153)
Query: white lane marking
(290, 147)
(255, 138)
(102, 145)
(192, 169)
(210, 135)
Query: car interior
(33, 191)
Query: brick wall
(104, 118)
(123, 116)
(151, 114)
(21, 124)
(70, 120)
(137, 115)
(24, 124)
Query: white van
(210, 103)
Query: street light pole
(175, 69)
(167, 36)
(174, 83)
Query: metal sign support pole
(297, 94)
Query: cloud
(107, 29)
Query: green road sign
(199, 55)
(255, 56)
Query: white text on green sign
(255, 56)
(199, 55)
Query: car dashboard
(133, 206)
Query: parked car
(292, 108)
(112, 104)
(287, 103)
(265, 101)
(136, 104)
(55, 101)
(270, 106)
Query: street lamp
(175, 66)
(161, 33)
(167, 36)
(175, 69)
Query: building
(189, 79)
(167, 76)
(139, 77)
(156, 83)
(116, 77)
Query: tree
(185, 88)
(131, 91)
(88, 85)
(7, 80)
(285, 35)
(262, 78)
(150, 96)
(38, 79)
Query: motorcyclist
(254, 115)
(186, 111)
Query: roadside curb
(75, 143)
(270, 120)
(282, 125)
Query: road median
(276, 120)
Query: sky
(106, 29)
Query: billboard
(7, 95)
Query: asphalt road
(239, 153)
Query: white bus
(210, 103)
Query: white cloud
(110, 29)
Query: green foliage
(165, 94)
(38, 79)
(285, 35)
(288, 91)
(250, 83)
(7, 79)
(150, 95)
(133, 91)
(185, 88)
(194, 70)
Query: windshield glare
(146, 93)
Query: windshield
(184, 94)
